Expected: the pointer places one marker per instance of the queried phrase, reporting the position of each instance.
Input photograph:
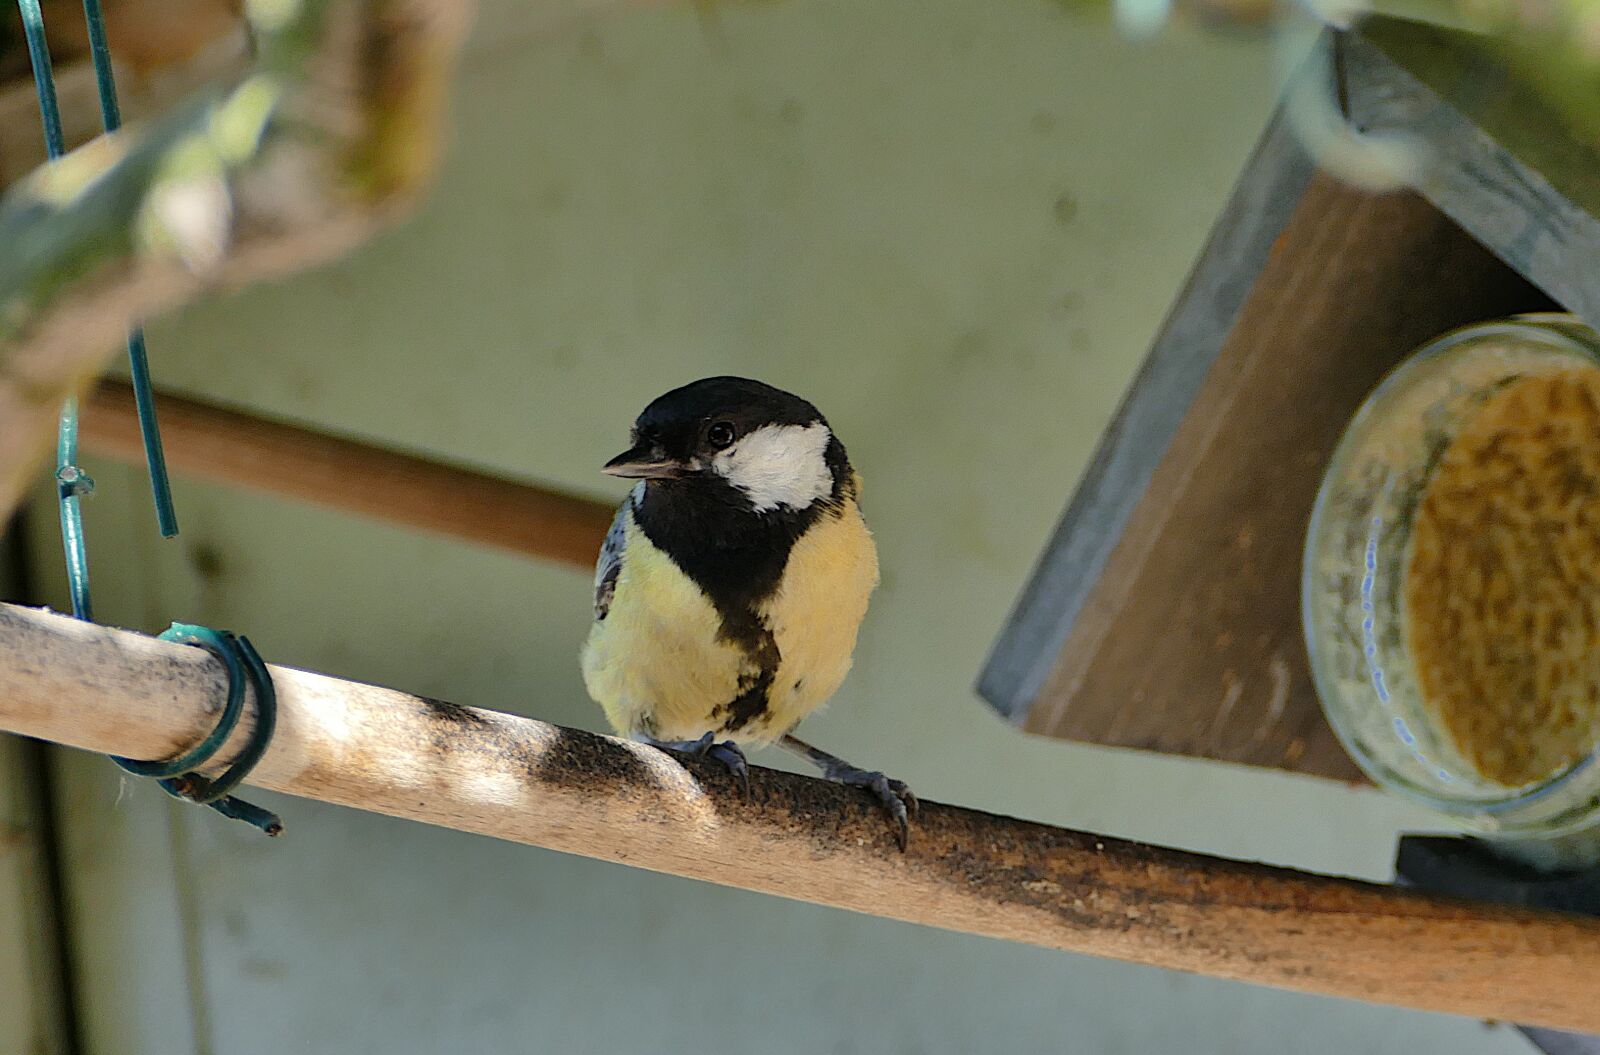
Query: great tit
(733, 580)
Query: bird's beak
(645, 462)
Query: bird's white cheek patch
(779, 466)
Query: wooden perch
(513, 778)
(332, 134)
(237, 449)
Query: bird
(732, 584)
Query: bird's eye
(720, 434)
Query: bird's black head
(759, 446)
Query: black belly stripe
(751, 633)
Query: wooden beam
(230, 447)
(1504, 167)
(514, 778)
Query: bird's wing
(609, 566)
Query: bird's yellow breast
(815, 613)
(658, 665)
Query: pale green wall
(955, 225)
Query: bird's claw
(730, 756)
(896, 798)
(892, 794)
(901, 804)
(727, 753)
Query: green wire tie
(72, 481)
(176, 775)
(144, 399)
(138, 360)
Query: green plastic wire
(110, 110)
(71, 482)
(138, 362)
(175, 776)
(43, 78)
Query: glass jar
(1451, 585)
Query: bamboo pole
(229, 447)
(513, 778)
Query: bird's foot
(897, 799)
(727, 752)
